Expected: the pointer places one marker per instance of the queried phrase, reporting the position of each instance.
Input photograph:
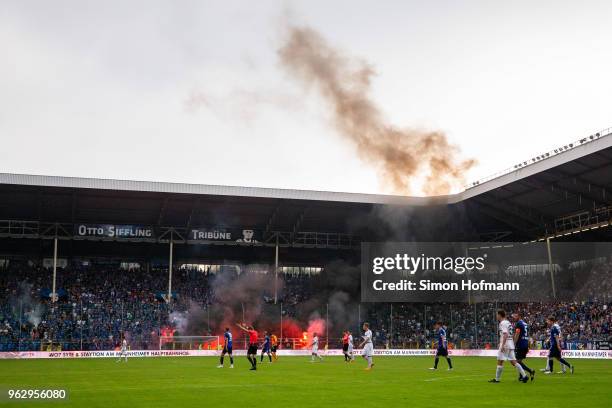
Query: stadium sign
(114, 231)
(246, 235)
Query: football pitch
(294, 381)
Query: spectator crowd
(97, 305)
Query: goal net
(189, 343)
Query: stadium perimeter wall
(585, 354)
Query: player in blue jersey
(442, 346)
(521, 342)
(555, 347)
(265, 349)
(227, 348)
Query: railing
(601, 217)
(561, 149)
(324, 239)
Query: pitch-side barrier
(587, 354)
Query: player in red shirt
(252, 352)
(345, 346)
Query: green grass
(294, 382)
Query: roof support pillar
(53, 290)
(276, 271)
(170, 269)
(550, 268)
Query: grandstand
(138, 257)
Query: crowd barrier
(587, 354)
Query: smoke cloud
(29, 308)
(243, 297)
(335, 296)
(399, 155)
(193, 321)
(248, 297)
(316, 326)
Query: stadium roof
(208, 189)
(565, 154)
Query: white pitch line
(454, 377)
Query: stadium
(87, 263)
(322, 204)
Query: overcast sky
(192, 91)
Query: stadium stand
(97, 305)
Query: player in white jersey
(368, 345)
(123, 352)
(315, 348)
(506, 349)
(351, 346)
